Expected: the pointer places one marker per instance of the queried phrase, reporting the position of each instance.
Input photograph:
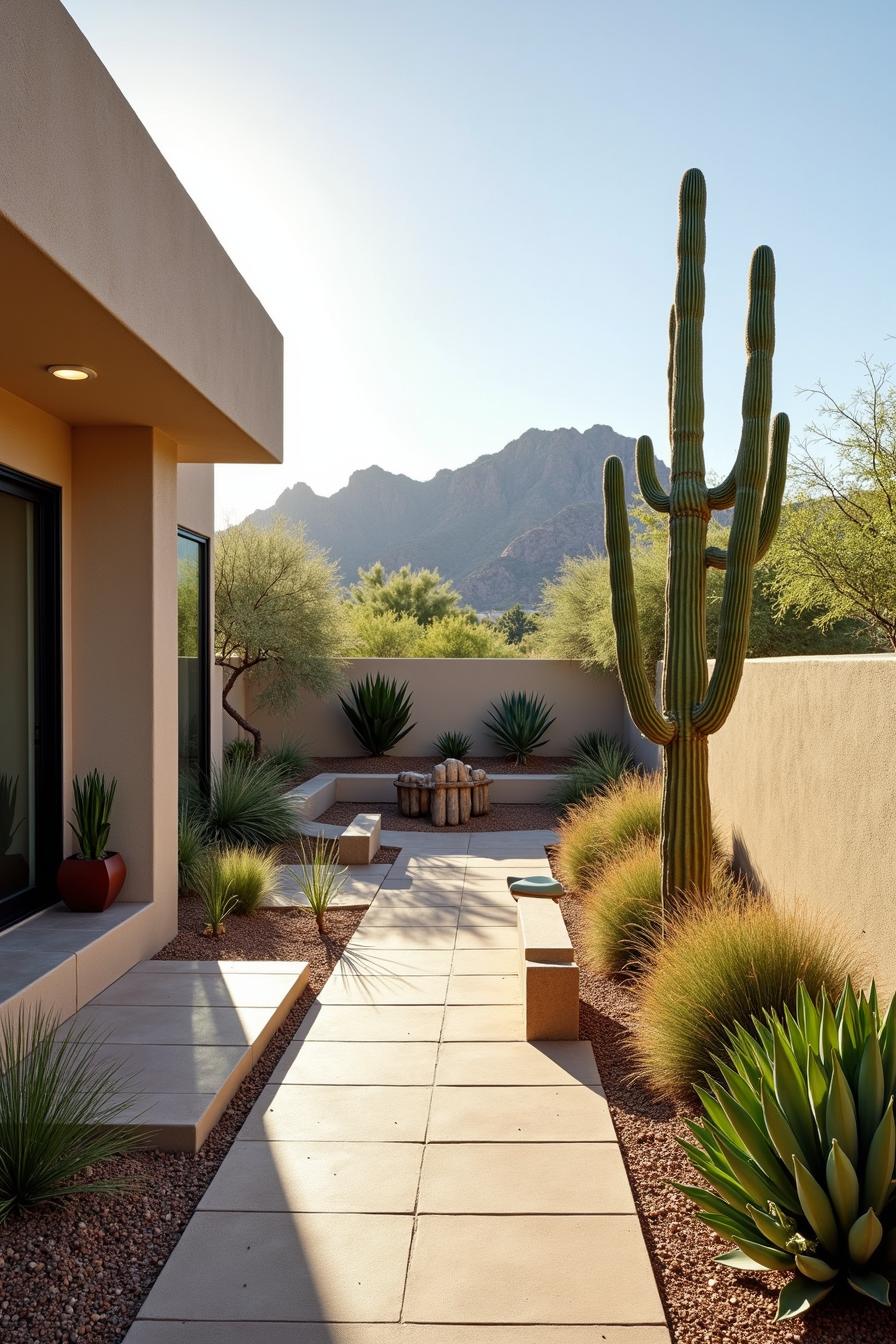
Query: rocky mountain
(497, 527)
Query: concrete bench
(548, 972)
(360, 841)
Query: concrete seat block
(360, 841)
(542, 931)
(551, 1001)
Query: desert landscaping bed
(705, 1303)
(392, 765)
(77, 1273)
(501, 817)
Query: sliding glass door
(30, 742)
(193, 660)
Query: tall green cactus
(693, 703)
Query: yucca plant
(215, 886)
(599, 761)
(798, 1145)
(9, 788)
(321, 878)
(453, 744)
(246, 804)
(248, 873)
(519, 724)
(191, 849)
(92, 808)
(378, 712)
(60, 1113)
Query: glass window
(192, 660)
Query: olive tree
(278, 614)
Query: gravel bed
(296, 851)
(78, 1272)
(391, 765)
(502, 817)
(705, 1303)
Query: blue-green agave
(798, 1145)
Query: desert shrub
(720, 966)
(453, 744)
(245, 805)
(60, 1112)
(599, 761)
(191, 848)
(462, 636)
(518, 724)
(378, 712)
(321, 878)
(247, 873)
(289, 759)
(383, 634)
(601, 828)
(798, 1147)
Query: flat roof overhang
(107, 262)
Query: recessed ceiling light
(71, 373)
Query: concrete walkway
(416, 1173)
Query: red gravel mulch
(705, 1303)
(78, 1272)
(502, 817)
(296, 851)
(391, 765)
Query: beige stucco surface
(802, 783)
(108, 262)
(457, 693)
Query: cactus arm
(716, 556)
(751, 469)
(670, 367)
(629, 653)
(648, 481)
(721, 496)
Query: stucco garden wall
(457, 693)
(803, 784)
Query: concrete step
(185, 1034)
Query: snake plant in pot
(91, 878)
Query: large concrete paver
(415, 1172)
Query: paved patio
(415, 1172)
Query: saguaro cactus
(693, 703)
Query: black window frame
(205, 653)
(46, 500)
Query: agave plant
(378, 712)
(93, 799)
(519, 723)
(453, 744)
(798, 1145)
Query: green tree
(835, 556)
(278, 613)
(383, 634)
(516, 624)
(420, 593)
(456, 636)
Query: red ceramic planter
(90, 885)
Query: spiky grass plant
(454, 745)
(378, 710)
(719, 965)
(518, 724)
(248, 873)
(191, 849)
(219, 900)
(290, 759)
(239, 749)
(600, 760)
(321, 878)
(60, 1113)
(622, 908)
(798, 1145)
(93, 798)
(599, 829)
(245, 805)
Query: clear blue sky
(462, 214)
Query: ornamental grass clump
(599, 829)
(798, 1145)
(725, 963)
(622, 909)
(217, 895)
(249, 874)
(60, 1113)
(246, 804)
(321, 879)
(192, 846)
(598, 762)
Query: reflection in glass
(17, 811)
(192, 661)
